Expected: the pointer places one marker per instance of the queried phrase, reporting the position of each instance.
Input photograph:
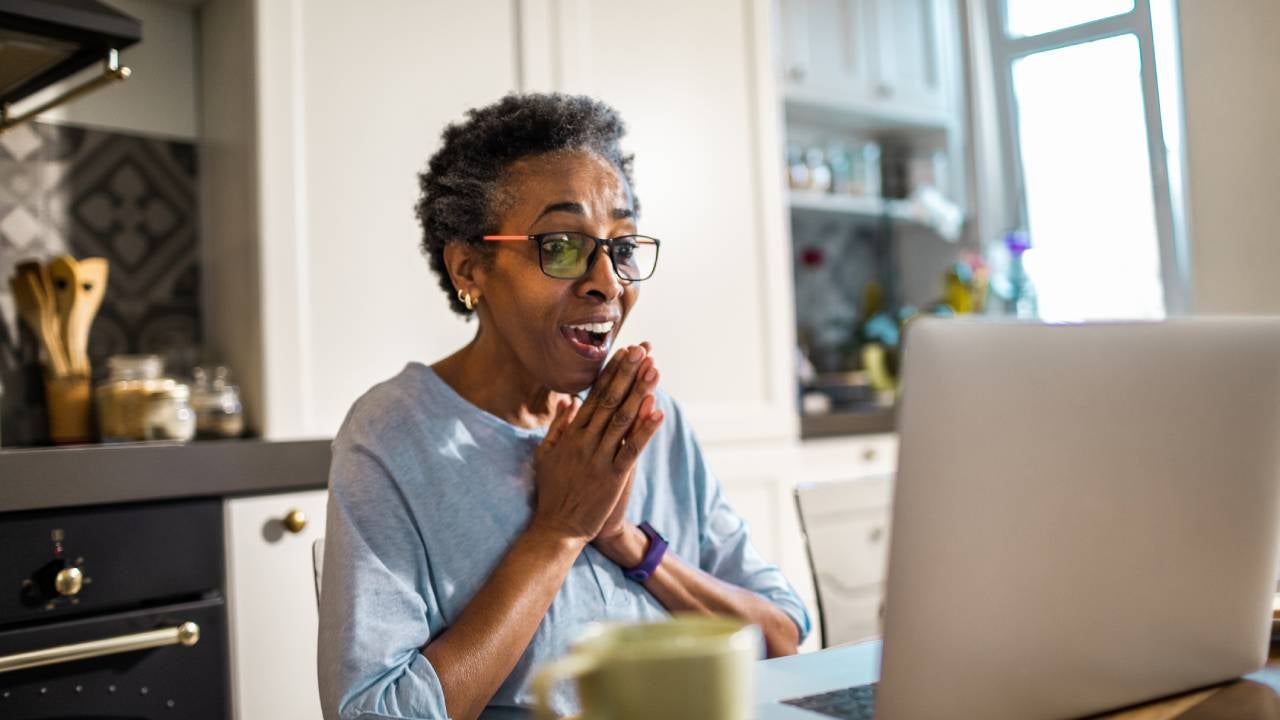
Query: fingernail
(635, 354)
(657, 416)
(651, 375)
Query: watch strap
(652, 556)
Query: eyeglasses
(570, 255)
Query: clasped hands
(584, 468)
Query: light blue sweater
(426, 494)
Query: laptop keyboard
(853, 703)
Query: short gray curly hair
(459, 195)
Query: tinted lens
(565, 255)
(635, 256)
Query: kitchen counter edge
(45, 478)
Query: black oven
(113, 612)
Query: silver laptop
(1085, 518)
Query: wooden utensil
(92, 278)
(65, 273)
(57, 345)
(37, 310)
(44, 286)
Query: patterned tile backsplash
(128, 198)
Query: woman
(480, 513)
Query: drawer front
(66, 562)
(848, 458)
(875, 455)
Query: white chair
(845, 524)
(317, 563)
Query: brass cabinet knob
(295, 521)
(68, 581)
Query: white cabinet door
(694, 84)
(348, 100)
(910, 51)
(272, 605)
(881, 58)
(827, 48)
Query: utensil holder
(70, 417)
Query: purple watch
(652, 556)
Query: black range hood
(44, 41)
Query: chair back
(317, 563)
(845, 524)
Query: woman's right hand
(581, 467)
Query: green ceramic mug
(690, 666)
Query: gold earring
(466, 299)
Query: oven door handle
(188, 634)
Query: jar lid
(130, 367)
(171, 391)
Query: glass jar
(169, 415)
(819, 170)
(216, 401)
(124, 398)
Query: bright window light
(1036, 17)
(1087, 174)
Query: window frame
(1175, 270)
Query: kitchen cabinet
(892, 60)
(828, 48)
(317, 288)
(271, 601)
(915, 42)
(317, 118)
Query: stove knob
(68, 581)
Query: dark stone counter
(103, 474)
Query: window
(1088, 154)
(1034, 17)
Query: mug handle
(552, 674)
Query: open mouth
(590, 340)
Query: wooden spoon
(38, 312)
(92, 273)
(65, 273)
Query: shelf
(821, 110)
(871, 208)
(872, 421)
(853, 205)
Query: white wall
(1230, 52)
(160, 97)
